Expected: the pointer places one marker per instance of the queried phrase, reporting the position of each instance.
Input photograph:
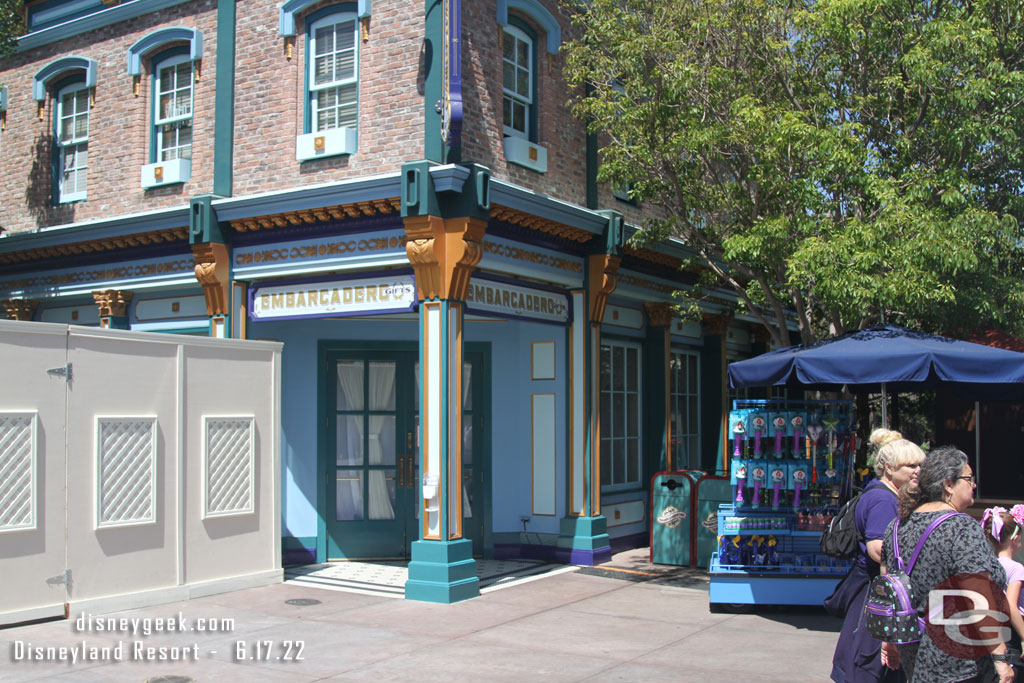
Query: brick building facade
(280, 171)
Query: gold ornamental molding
(104, 244)
(212, 269)
(652, 256)
(601, 283)
(527, 220)
(659, 313)
(376, 207)
(716, 324)
(443, 253)
(634, 281)
(112, 302)
(20, 309)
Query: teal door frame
(482, 444)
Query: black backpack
(840, 538)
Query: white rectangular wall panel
(578, 398)
(542, 362)
(543, 453)
(228, 466)
(17, 471)
(125, 471)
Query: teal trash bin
(709, 493)
(671, 533)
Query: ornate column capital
(759, 334)
(716, 324)
(20, 309)
(112, 302)
(601, 269)
(443, 253)
(659, 313)
(212, 269)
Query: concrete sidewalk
(625, 621)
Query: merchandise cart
(791, 468)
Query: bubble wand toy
(797, 422)
(759, 425)
(814, 431)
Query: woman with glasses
(896, 462)
(955, 548)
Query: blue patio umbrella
(888, 358)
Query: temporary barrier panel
(144, 468)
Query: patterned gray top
(957, 546)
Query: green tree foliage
(846, 160)
(11, 13)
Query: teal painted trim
(343, 192)
(153, 103)
(156, 39)
(537, 204)
(320, 504)
(655, 387)
(538, 13)
(434, 148)
(3, 98)
(711, 395)
(117, 322)
(91, 22)
(584, 533)
(115, 227)
(224, 100)
(58, 67)
(485, 460)
(289, 10)
(591, 163)
(442, 572)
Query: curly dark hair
(942, 465)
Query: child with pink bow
(1003, 529)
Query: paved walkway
(626, 621)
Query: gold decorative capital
(601, 269)
(716, 324)
(112, 302)
(212, 268)
(659, 313)
(443, 253)
(20, 309)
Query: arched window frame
(180, 119)
(71, 151)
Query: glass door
(371, 436)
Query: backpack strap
(920, 542)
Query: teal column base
(115, 322)
(442, 571)
(583, 540)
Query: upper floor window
(333, 72)
(172, 108)
(72, 141)
(518, 83)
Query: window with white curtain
(620, 415)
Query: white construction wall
(151, 474)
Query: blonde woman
(896, 462)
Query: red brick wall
(269, 99)
(118, 127)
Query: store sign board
(337, 298)
(517, 301)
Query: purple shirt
(1014, 572)
(876, 508)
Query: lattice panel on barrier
(229, 465)
(126, 470)
(17, 471)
